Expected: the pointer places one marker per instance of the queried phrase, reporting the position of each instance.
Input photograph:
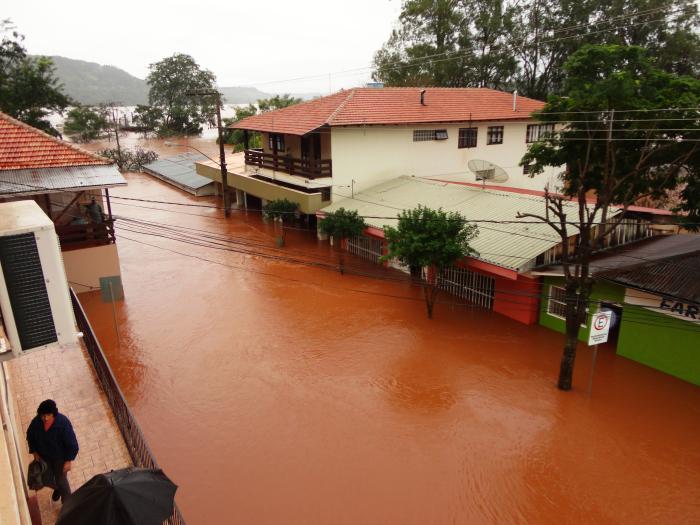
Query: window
(422, 135)
(536, 132)
(557, 303)
(325, 194)
(494, 135)
(526, 169)
(276, 141)
(467, 138)
(440, 134)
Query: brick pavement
(66, 376)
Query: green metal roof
(512, 246)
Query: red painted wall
(519, 299)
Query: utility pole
(222, 153)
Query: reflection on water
(275, 392)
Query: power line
(434, 58)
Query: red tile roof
(25, 147)
(374, 106)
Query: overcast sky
(250, 42)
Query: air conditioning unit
(34, 296)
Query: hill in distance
(90, 83)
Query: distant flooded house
(63, 180)
(317, 152)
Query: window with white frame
(536, 132)
(556, 306)
(424, 135)
(557, 302)
(494, 135)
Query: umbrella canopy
(130, 496)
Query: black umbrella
(130, 496)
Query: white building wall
(374, 154)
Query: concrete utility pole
(222, 153)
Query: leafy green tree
(169, 82)
(84, 123)
(433, 239)
(342, 224)
(426, 28)
(29, 89)
(277, 102)
(628, 131)
(235, 136)
(523, 44)
(147, 118)
(282, 210)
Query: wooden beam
(63, 212)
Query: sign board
(600, 326)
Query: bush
(280, 209)
(130, 160)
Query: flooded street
(275, 391)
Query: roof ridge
(330, 118)
(58, 141)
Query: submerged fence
(139, 450)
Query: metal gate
(472, 286)
(366, 247)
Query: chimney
(515, 100)
(422, 97)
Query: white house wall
(374, 154)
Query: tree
(283, 210)
(342, 224)
(236, 137)
(276, 102)
(433, 239)
(29, 89)
(523, 44)
(147, 118)
(129, 160)
(627, 135)
(84, 123)
(169, 81)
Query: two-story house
(332, 147)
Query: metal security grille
(26, 287)
(366, 247)
(472, 286)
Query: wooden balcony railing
(73, 236)
(310, 169)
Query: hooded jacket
(57, 444)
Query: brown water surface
(274, 392)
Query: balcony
(75, 236)
(307, 168)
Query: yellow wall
(375, 154)
(87, 265)
(308, 202)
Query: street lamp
(222, 154)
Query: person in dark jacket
(51, 438)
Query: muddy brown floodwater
(277, 392)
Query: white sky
(244, 42)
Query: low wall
(85, 266)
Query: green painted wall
(601, 292)
(673, 347)
(648, 337)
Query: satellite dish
(487, 171)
